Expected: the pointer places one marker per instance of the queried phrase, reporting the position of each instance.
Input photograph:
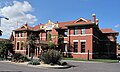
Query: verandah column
(69, 43)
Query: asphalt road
(78, 67)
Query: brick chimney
(94, 18)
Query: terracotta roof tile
(38, 27)
(24, 27)
(76, 22)
(108, 30)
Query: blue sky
(107, 11)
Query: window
(19, 34)
(75, 46)
(21, 46)
(17, 45)
(16, 35)
(65, 33)
(75, 31)
(65, 46)
(82, 47)
(22, 34)
(82, 31)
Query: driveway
(78, 67)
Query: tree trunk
(28, 50)
(32, 55)
(6, 54)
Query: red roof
(79, 21)
(37, 27)
(108, 30)
(62, 25)
(24, 27)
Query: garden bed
(41, 65)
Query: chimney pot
(97, 21)
(93, 15)
(94, 18)
(26, 24)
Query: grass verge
(94, 60)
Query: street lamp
(0, 22)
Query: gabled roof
(38, 27)
(79, 21)
(108, 30)
(62, 25)
(24, 27)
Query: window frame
(65, 47)
(83, 47)
(75, 31)
(83, 31)
(75, 46)
(18, 44)
(21, 45)
(65, 33)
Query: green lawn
(94, 60)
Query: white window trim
(73, 35)
(65, 41)
(16, 45)
(75, 40)
(82, 40)
(65, 37)
(83, 34)
(20, 41)
(42, 37)
(20, 50)
(81, 53)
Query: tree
(31, 44)
(119, 47)
(5, 47)
(51, 45)
(0, 32)
(48, 36)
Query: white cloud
(117, 26)
(18, 14)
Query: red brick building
(80, 38)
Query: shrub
(51, 45)
(1, 59)
(51, 57)
(34, 62)
(24, 58)
(64, 63)
(59, 63)
(18, 57)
